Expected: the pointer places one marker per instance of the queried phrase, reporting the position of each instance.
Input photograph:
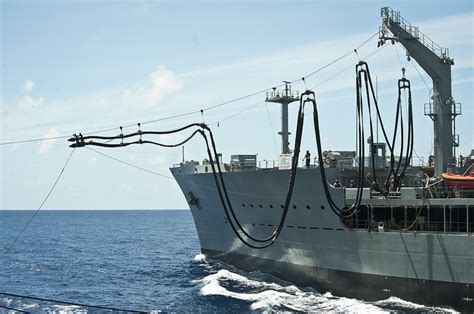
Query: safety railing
(439, 226)
(457, 109)
(449, 192)
(411, 225)
(282, 93)
(388, 13)
(429, 109)
(267, 164)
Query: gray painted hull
(316, 249)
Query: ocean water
(142, 260)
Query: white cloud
(164, 82)
(29, 103)
(28, 86)
(46, 145)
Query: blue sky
(84, 65)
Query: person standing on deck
(307, 158)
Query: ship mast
(437, 64)
(283, 97)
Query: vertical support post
(285, 149)
(450, 218)
(391, 217)
(284, 98)
(428, 218)
(369, 217)
(357, 219)
(444, 218)
(467, 219)
(405, 214)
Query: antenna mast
(283, 97)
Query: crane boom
(436, 63)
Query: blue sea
(142, 260)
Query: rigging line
(348, 67)
(12, 309)
(418, 156)
(421, 76)
(34, 140)
(331, 77)
(365, 42)
(102, 130)
(240, 98)
(271, 128)
(240, 112)
(42, 204)
(325, 66)
(398, 55)
(373, 53)
(129, 164)
(70, 303)
(338, 59)
(220, 184)
(195, 111)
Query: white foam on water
(275, 296)
(7, 301)
(31, 306)
(394, 301)
(18, 304)
(200, 258)
(65, 309)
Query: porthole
(322, 206)
(251, 205)
(294, 206)
(282, 206)
(260, 206)
(308, 207)
(271, 206)
(243, 205)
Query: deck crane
(436, 62)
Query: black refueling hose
(347, 211)
(363, 76)
(80, 141)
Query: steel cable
(100, 307)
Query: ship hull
(356, 285)
(316, 249)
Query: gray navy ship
(385, 228)
(413, 241)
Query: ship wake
(266, 293)
(273, 296)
